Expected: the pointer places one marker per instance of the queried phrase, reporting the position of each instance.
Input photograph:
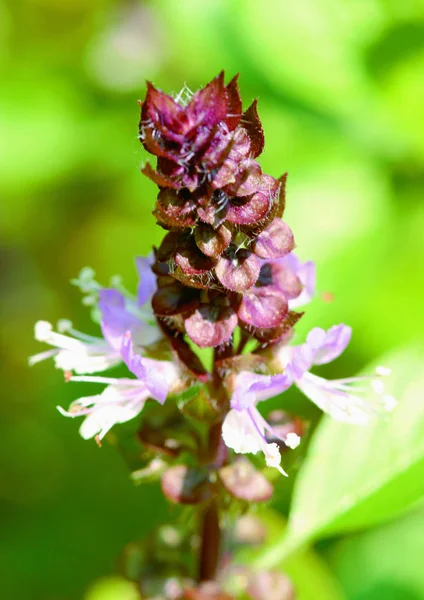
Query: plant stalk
(210, 542)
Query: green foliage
(310, 575)
(384, 563)
(359, 476)
(340, 92)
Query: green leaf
(194, 402)
(356, 476)
(388, 559)
(112, 588)
(311, 577)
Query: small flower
(244, 429)
(340, 398)
(123, 399)
(120, 401)
(119, 312)
(76, 352)
(306, 273)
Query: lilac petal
(211, 325)
(328, 345)
(275, 241)
(212, 242)
(147, 279)
(306, 273)
(301, 360)
(263, 307)
(238, 270)
(116, 319)
(156, 374)
(279, 384)
(243, 396)
(252, 123)
(282, 277)
(251, 388)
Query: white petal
(239, 433)
(103, 418)
(81, 362)
(346, 408)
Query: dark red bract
(218, 267)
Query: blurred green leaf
(112, 588)
(358, 476)
(384, 563)
(311, 577)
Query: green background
(341, 96)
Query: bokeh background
(341, 95)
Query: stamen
(107, 380)
(43, 331)
(378, 386)
(85, 281)
(64, 325)
(292, 440)
(389, 403)
(36, 358)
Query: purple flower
(306, 274)
(77, 351)
(244, 429)
(157, 375)
(123, 399)
(340, 398)
(119, 313)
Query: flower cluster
(226, 261)
(245, 430)
(223, 262)
(128, 333)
